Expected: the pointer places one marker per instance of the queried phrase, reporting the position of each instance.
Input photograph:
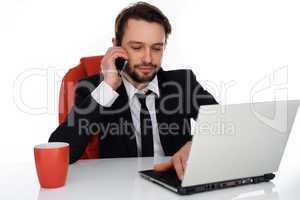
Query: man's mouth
(146, 70)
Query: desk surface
(118, 179)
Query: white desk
(118, 179)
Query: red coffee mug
(52, 162)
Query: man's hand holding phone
(109, 68)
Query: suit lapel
(128, 136)
(161, 116)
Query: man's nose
(147, 56)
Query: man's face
(144, 42)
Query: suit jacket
(180, 98)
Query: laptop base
(169, 180)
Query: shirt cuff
(104, 94)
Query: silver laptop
(233, 145)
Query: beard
(132, 72)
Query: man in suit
(141, 110)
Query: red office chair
(88, 66)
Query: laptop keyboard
(169, 177)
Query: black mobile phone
(120, 63)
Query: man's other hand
(178, 161)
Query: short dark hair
(140, 10)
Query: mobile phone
(120, 63)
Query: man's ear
(114, 42)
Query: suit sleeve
(199, 95)
(75, 130)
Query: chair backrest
(88, 66)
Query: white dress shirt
(106, 96)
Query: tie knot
(142, 97)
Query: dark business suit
(179, 101)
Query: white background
(239, 45)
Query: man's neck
(137, 85)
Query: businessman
(141, 110)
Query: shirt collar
(131, 90)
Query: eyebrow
(137, 42)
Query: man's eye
(157, 49)
(136, 48)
